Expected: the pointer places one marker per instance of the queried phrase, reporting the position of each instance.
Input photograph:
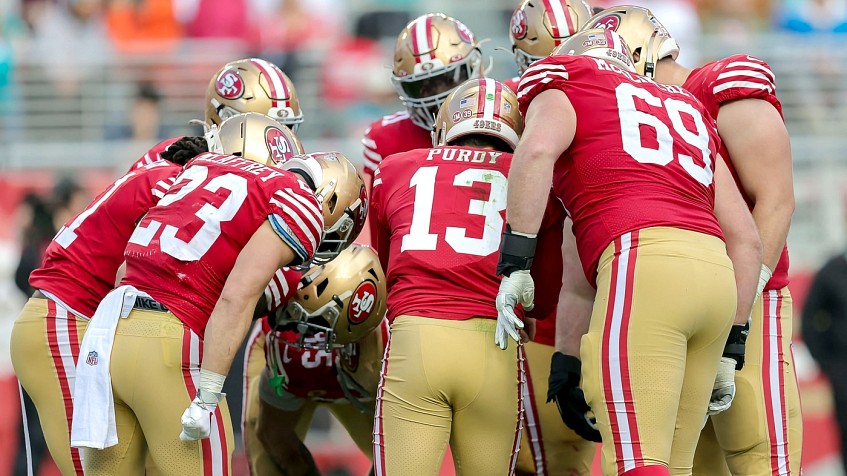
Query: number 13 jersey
(440, 214)
(643, 154)
(182, 252)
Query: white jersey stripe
(311, 233)
(757, 66)
(377, 182)
(369, 143)
(373, 156)
(744, 74)
(157, 193)
(741, 84)
(307, 209)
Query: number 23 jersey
(182, 252)
(440, 214)
(643, 154)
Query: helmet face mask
(433, 54)
(337, 304)
(252, 85)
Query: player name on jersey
(265, 173)
(464, 155)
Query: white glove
(724, 390)
(197, 418)
(515, 289)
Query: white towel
(93, 423)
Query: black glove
(185, 149)
(563, 387)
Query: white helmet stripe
(422, 30)
(489, 97)
(562, 22)
(275, 82)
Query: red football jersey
(440, 214)
(643, 154)
(154, 154)
(313, 373)
(80, 264)
(512, 83)
(283, 285)
(390, 135)
(731, 79)
(183, 250)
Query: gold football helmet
(648, 38)
(479, 106)
(599, 43)
(342, 192)
(432, 55)
(252, 85)
(537, 27)
(344, 299)
(255, 137)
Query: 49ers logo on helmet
(464, 32)
(229, 84)
(278, 145)
(518, 24)
(608, 22)
(362, 303)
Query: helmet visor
(434, 85)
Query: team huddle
(591, 253)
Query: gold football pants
(45, 347)
(665, 303)
(762, 432)
(548, 446)
(155, 369)
(445, 381)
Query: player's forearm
(572, 321)
(773, 219)
(530, 179)
(746, 256)
(227, 327)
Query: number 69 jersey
(643, 154)
(182, 252)
(440, 214)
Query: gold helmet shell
(342, 193)
(252, 85)
(254, 137)
(479, 106)
(433, 54)
(598, 43)
(539, 26)
(649, 39)
(344, 299)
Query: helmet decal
(608, 22)
(362, 303)
(229, 84)
(464, 32)
(281, 150)
(518, 24)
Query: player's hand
(724, 390)
(197, 418)
(517, 288)
(563, 387)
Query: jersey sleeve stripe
(369, 143)
(761, 67)
(310, 205)
(752, 75)
(741, 84)
(157, 193)
(284, 232)
(377, 182)
(301, 211)
(373, 156)
(273, 294)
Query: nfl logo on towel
(92, 358)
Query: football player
(433, 54)
(652, 234)
(247, 85)
(762, 433)
(345, 203)
(439, 214)
(325, 349)
(196, 265)
(538, 27)
(79, 269)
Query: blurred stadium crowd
(87, 85)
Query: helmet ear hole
(636, 54)
(321, 287)
(333, 201)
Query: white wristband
(764, 276)
(211, 381)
